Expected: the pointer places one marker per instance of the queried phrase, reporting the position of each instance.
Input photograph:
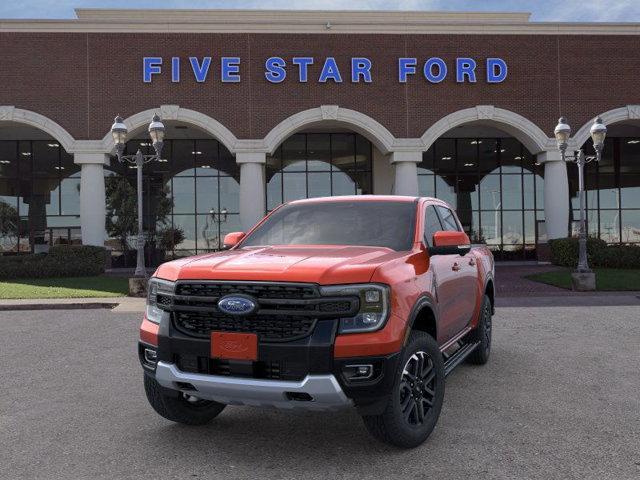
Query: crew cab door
(456, 277)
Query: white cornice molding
(263, 16)
(301, 21)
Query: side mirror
(232, 239)
(450, 243)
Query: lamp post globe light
(583, 278)
(119, 133)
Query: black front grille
(271, 328)
(257, 290)
(285, 312)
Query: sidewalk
(512, 290)
(117, 304)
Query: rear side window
(431, 224)
(448, 219)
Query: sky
(542, 10)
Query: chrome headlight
(159, 291)
(374, 306)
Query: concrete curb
(57, 306)
(116, 304)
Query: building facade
(262, 107)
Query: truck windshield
(364, 223)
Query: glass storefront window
(612, 191)
(39, 195)
(309, 165)
(190, 197)
(630, 223)
(495, 187)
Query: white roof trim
(312, 21)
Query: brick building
(263, 107)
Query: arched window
(191, 199)
(495, 187)
(318, 165)
(612, 188)
(39, 195)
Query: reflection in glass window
(485, 179)
(39, 196)
(190, 197)
(612, 191)
(431, 224)
(630, 222)
(448, 220)
(309, 165)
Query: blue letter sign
(275, 69)
(360, 67)
(406, 66)
(330, 71)
(150, 66)
(200, 71)
(303, 66)
(230, 69)
(434, 69)
(428, 70)
(496, 70)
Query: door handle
(455, 267)
(472, 262)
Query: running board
(457, 358)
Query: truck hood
(316, 264)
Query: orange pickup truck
(365, 302)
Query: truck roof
(362, 198)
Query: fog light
(358, 372)
(150, 356)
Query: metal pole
(583, 265)
(141, 271)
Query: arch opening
(39, 190)
(318, 162)
(191, 196)
(138, 123)
(519, 127)
(612, 186)
(494, 183)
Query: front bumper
(314, 392)
(299, 374)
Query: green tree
(9, 223)
(122, 210)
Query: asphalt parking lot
(560, 398)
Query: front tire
(416, 400)
(182, 408)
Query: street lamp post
(156, 132)
(583, 278)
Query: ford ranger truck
(363, 301)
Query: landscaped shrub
(564, 252)
(620, 256)
(61, 261)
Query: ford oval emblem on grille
(237, 305)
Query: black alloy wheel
(417, 388)
(415, 402)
